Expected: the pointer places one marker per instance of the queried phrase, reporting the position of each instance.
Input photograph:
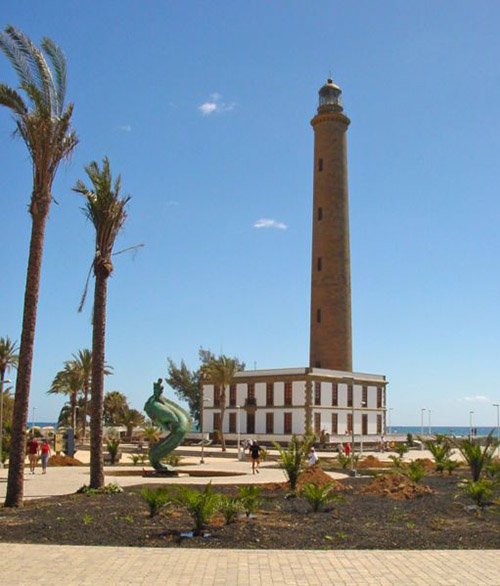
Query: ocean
(457, 430)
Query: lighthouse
(330, 329)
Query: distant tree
(8, 360)
(115, 406)
(105, 208)
(220, 372)
(186, 382)
(68, 381)
(131, 418)
(44, 124)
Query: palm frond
(58, 61)
(11, 99)
(10, 50)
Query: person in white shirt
(312, 458)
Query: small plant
(293, 458)
(111, 488)
(410, 525)
(249, 497)
(318, 496)
(113, 445)
(200, 504)
(492, 470)
(437, 523)
(480, 491)
(409, 440)
(440, 449)
(346, 461)
(401, 449)
(87, 519)
(156, 499)
(136, 458)
(398, 462)
(230, 507)
(171, 460)
(263, 454)
(477, 456)
(415, 471)
(450, 466)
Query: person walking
(32, 450)
(46, 453)
(255, 456)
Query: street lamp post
(33, 422)
(471, 413)
(430, 428)
(239, 431)
(2, 383)
(422, 426)
(498, 427)
(202, 417)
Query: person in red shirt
(33, 448)
(45, 450)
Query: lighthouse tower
(331, 336)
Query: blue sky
(204, 108)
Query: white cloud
(476, 399)
(172, 202)
(125, 128)
(268, 223)
(214, 104)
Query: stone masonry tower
(331, 337)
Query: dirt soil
(359, 521)
(61, 460)
(396, 486)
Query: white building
(275, 404)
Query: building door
(364, 424)
(269, 422)
(251, 423)
(217, 421)
(349, 423)
(335, 423)
(287, 427)
(232, 423)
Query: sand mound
(426, 463)
(317, 476)
(60, 460)
(397, 487)
(371, 462)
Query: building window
(317, 364)
(320, 164)
(232, 396)
(269, 422)
(251, 390)
(335, 394)
(320, 213)
(349, 395)
(320, 263)
(335, 423)
(317, 393)
(364, 424)
(270, 394)
(251, 423)
(232, 423)
(288, 394)
(379, 397)
(365, 397)
(287, 426)
(317, 423)
(349, 423)
(216, 396)
(379, 424)
(318, 315)
(217, 421)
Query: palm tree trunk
(15, 485)
(73, 412)
(85, 408)
(222, 412)
(97, 392)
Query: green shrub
(398, 462)
(171, 460)
(440, 449)
(409, 440)
(346, 461)
(477, 457)
(318, 496)
(111, 488)
(200, 504)
(156, 499)
(263, 454)
(415, 471)
(136, 458)
(401, 449)
(249, 497)
(293, 458)
(450, 465)
(492, 470)
(479, 491)
(230, 507)
(113, 445)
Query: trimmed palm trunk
(15, 485)
(222, 405)
(102, 270)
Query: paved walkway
(44, 565)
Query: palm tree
(84, 361)
(115, 405)
(68, 382)
(131, 418)
(106, 210)
(220, 372)
(44, 125)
